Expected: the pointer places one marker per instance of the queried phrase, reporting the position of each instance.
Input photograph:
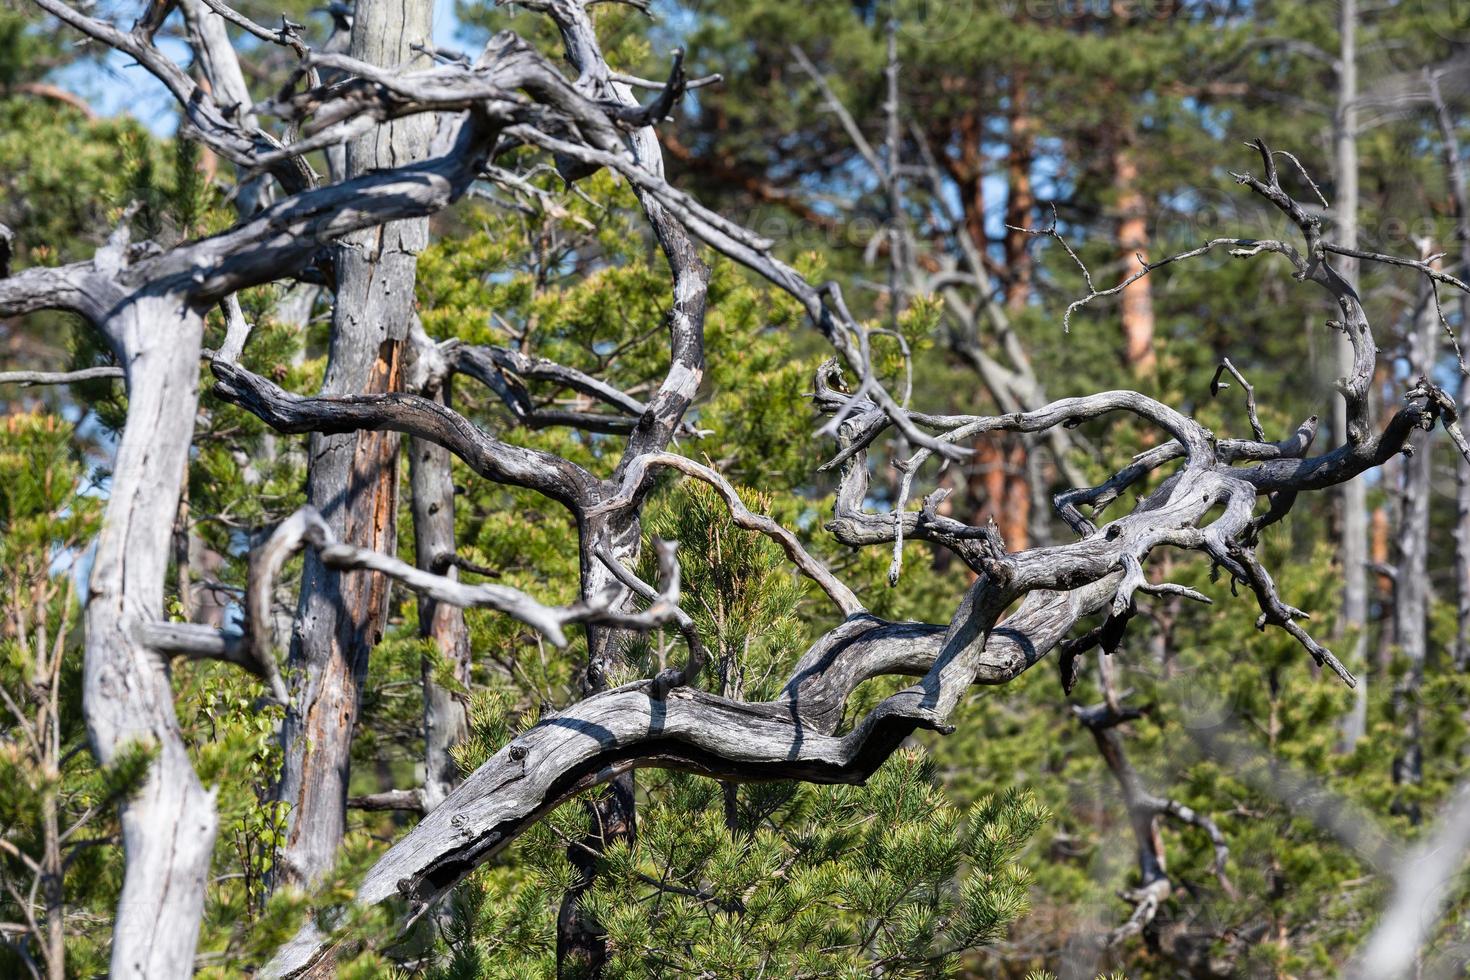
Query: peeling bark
(352, 478)
(169, 824)
(446, 711)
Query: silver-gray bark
(353, 477)
(1353, 518)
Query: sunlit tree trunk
(446, 715)
(1020, 198)
(1137, 306)
(169, 822)
(353, 477)
(1352, 547)
(1411, 584)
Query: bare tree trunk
(1137, 307)
(52, 887)
(149, 302)
(999, 486)
(1460, 191)
(1411, 584)
(1014, 501)
(1020, 197)
(1380, 558)
(1353, 547)
(353, 477)
(446, 716)
(217, 61)
(968, 172)
(1462, 510)
(169, 823)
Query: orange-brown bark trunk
(998, 486)
(1021, 198)
(1137, 310)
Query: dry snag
(149, 304)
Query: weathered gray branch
(236, 140)
(196, 641)
(634, 483)
(412, 415)
(307, 528)
(498, 368)
(27, 378)
(608, 733)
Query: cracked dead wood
(169, 825)
(148, 306)
(352, 477)
(431, 491)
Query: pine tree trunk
(1014, 504)
(353, 477)
(169, 822)
(1020, 198)
(1137, 306)
(1460, 192)
(1354, 525)
(1462, 503)
(1462, 478)
(1411, 585)
(969, 173)
(999, 485)
(446, 715)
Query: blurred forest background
(1116, 125)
